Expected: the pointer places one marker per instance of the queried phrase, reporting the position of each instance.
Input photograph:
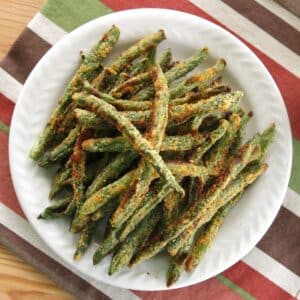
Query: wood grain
(18, 280)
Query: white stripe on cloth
(22, 228)
(251, 33)
(280, 12)
(273, 270)
(9, 86)
(292, 202)
(46, 29)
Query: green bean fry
(148, 154)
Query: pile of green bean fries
(149, 154)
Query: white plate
(251, 217)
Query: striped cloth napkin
(271, 270)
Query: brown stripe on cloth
(56, 272)
(282, 240)
(279, 29)
(292, 5)
(24, 55)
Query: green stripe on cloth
(70, 14)
(235, 287)
(295, 176)
(4, 127)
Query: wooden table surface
(18, 280)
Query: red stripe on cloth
(6, 109)
(255, 283)
(287, 82)
(7, 194)
(210, 289)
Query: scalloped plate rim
(153, 12)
